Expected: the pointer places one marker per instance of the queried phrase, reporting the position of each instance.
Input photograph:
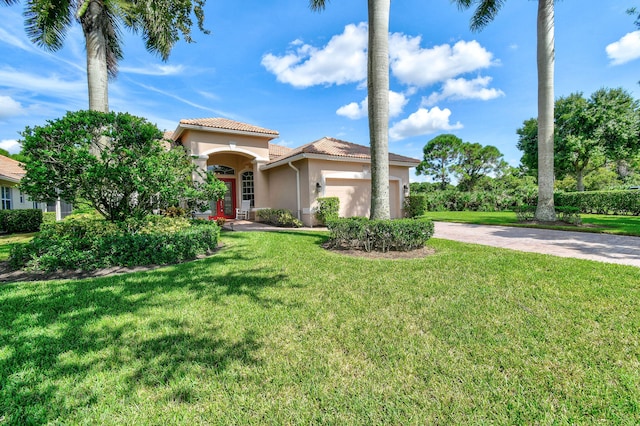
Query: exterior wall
(282, 188)
(19, 201)
(241, 152)
(351, 182)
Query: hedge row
(379, 235)
(602, 202)
(279, 217)
(17, 221)
(454, 200)
(93, 244)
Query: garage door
(355, 196)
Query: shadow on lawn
(57, 338)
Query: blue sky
(279, 65)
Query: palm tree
(378, 91)
(485, 12)
(160, 21)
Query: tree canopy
(588, 133)
(447, 155)
(130, 176)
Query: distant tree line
(596, 147)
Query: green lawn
(275, 330)
(6, 241)
(621, 225)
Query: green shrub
(415, 205)
(565, 214)
(455, 200)
(49, 217)
(328, 209)
(92, 244)
(380, 235)
(279, 217)
(602, 202)
(525, 212)
(20, 221)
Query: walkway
(582, 245)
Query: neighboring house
(11, 198)
(274, 176)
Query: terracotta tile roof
(168, 134)
(11, 168)
(337, 148)
(276, 151)
(226, 124)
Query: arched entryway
(237, 173)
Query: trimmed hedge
(454, 200)
(415, 205)
(92, 244)
(602, 202)
(328, 209)
(19, 221)
(279, 217)
(379, 235)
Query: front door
(226, 207)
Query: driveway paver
(582, 245)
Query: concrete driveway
(582, 245)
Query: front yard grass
(273, 329)
(620, 225)
(6, 241)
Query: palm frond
(47, 22)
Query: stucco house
(274, 176)
(11, 198)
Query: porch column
(260, 186)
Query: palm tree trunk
(96, 43)
(378, 92)
(546, 63)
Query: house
(11, 198)
(274, 176)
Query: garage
(355, 196)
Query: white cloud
(155, 69)
(461, 88)
(423, 122)
(354, 111)
(11, 145)
(420, 67)
(9, 107)
(343, 60)
(624, 50)
(52, 85)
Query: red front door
(226, 207)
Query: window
(247, 187)
(5, 196)
(221, 170)
(21, 197)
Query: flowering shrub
(220, 220)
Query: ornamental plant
(115, 162)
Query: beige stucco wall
(240, 152)
(282, 188)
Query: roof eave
(303, 155)
(182, 127)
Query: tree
(160, 21)
(378, 104)
(588, 132)
(476, 162)
(129, 177)
(440, 156)
(485, 12)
